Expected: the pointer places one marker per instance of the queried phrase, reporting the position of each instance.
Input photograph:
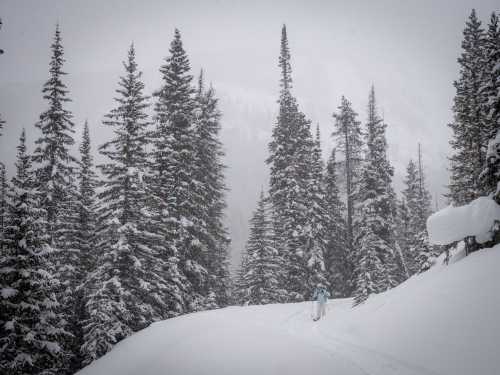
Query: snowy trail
(369, 361)
(443, 322)
(276, 339)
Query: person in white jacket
(321, 296)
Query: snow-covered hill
(444, 321)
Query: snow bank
(455, 223)
(442, 322)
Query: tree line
(91, 254)
(340, 224)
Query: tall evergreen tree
(175, 177)
(53, 162)
(32, 325)
(210, 174)
(491, 91)
(258, 282)
(85, 242)
(376, 267)
(418, 251)
(87, 207)
(338, 264)
(348, 135)
(403, 230)
(3, 205)
(315, 229)
(127, 288)
(54, 168)
(290, 175)
(469, 124)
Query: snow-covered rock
(455, 223)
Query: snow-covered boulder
(455, 223)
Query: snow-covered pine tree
(376, 268)
(87, 207)
(491, 91)
(410, 194)
(84, 241)
(338, 264)
(290, 173)
(32, 324)
(174, 177)
(258, 282)
(402, 222)
(491, 82)
(418, 251)
(54, 168)
(425, 251)
(316, 226)
(127, 290)
(53, 163)
(3, 205)
(210, 175)
(469, 126)
(3, 194)
(348, 136)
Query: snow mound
(455, 223)
(442, 322)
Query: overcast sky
(407, 49)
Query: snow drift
(442, 322)
(455, 223)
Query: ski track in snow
(368, 361)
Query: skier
(321, 296)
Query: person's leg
(323, 309)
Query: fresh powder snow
(442, 322)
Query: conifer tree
(174, 177)
(84, 242)
(348, 136)
(53, 162)
(210, 174)
(491, 92)
(403, 230)
(54, 169)
(376, 267)
(290, 175)
(315, 229)
(418, 251)
(469, 124)
(3, 206)
(87, 206)
(32, 324)
(338, 264)
(128, 290)
(258, 282)
(491, 79)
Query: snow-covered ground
(444, 321)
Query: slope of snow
(444, 321)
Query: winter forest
(102, 237)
